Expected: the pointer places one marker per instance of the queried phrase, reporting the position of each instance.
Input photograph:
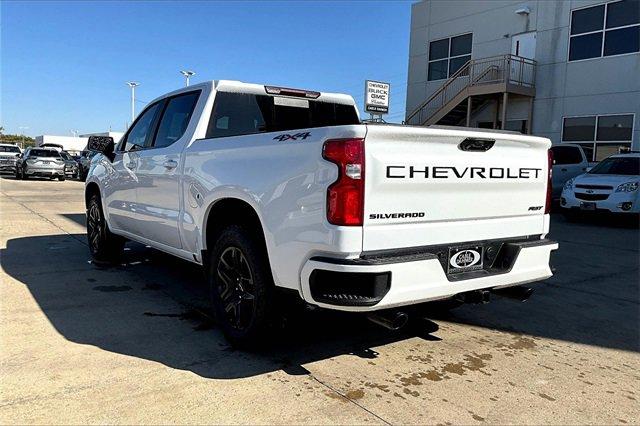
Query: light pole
(22, 128)
(187, 74)
(133, 85)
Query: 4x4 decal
(286, 136)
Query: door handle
(170, 164)
(564, 170)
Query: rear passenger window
(566, 155)
(237, 114)
(175, 119)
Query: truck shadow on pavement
(153, 307)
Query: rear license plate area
(465, 259)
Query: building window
(514, 125)
(605, 30)
(448, 55)
(599, 135)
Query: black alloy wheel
(95, 227)
(241, 287)
(105, 247)
(236, 288)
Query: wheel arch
(90, 190)
(227, 211)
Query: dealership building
(566, 70)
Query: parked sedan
(44, 162)
(610, 186)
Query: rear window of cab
(236, 114)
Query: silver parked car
(44, 162)
(70, 165)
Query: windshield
(14, 149)
(66, 156)
(618, 166)
(44, 153)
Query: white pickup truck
(275, 189)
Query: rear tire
(61, 178)
(241, 287)
(105, 247)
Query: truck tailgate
(423, 188)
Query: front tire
(105, 247)
(61, 178)
(241, 287)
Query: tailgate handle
(476, 144)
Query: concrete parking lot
(129, 344)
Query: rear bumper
(44, 171)
(408, 280)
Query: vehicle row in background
(44, 161)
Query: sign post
(376, 99)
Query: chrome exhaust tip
(393, 320)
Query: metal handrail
(506, 68)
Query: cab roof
(261, 89)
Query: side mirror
(102, 144)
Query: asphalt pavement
(132, 343)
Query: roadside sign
(376, 97)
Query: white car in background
(9, 154)
(610, 186)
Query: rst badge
(465, 259)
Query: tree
(23, 140)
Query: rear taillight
(345, 197)
(547, 206)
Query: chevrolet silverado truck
(278, 191)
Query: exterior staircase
(476, 83)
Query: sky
(64, 65)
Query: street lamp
(22, 138)
(187, 74)
(133, 85)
